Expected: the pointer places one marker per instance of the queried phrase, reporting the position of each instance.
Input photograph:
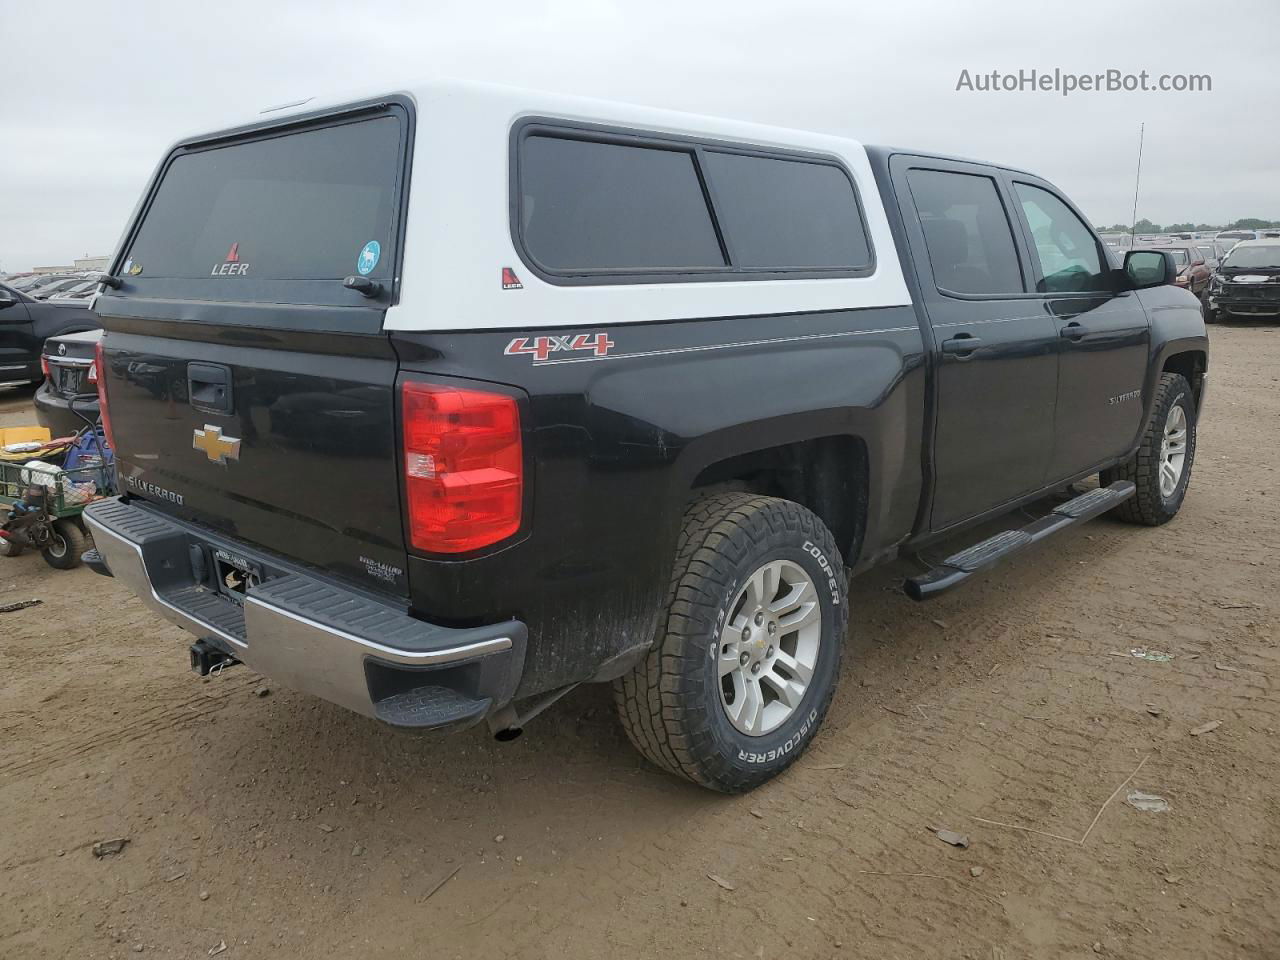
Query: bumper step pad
(429, 706)
(959, 567)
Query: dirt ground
(281, 826)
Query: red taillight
(101, 380)
(463, 467)
(44, 366)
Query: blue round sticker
(368, 258)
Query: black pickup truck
(561, 391)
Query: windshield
(1266, 256)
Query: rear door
(249, 389)
(996, 381)
(17, 345)
(1103, 337)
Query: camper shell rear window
(277, 215)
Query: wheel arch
(1191, 364)
(827, 473)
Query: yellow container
(10, 435)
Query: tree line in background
(1146, 226)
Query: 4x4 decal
(541, 348)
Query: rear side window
(298, 208)
(620, 207)
(785, 213)
(589, 206)
(967, 232)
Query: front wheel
(10, 549)
(749, 651)
(1161, 469)
(67, 544)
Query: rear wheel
(10, 549)
(1161, 469)
(67, 544)
(749, 652)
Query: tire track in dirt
(172, 715)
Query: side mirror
(7, 299)
(1149, 268)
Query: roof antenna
(1136, 180)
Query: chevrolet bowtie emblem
(215, 446)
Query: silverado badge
(215, 446)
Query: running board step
(959, 567)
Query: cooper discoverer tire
(1157, 499)
(748, 655)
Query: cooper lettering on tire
(747, 658)
(1161, 469)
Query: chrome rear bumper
(307, 632)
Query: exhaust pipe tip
(507, 734)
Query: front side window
(589, 206)
(1065, 247)
(967, 233)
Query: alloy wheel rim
(57, 546)
(1173, 451)
(768, 649)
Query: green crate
(13, 487)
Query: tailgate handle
(209, 387)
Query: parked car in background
(1247, 283)
(1210, 254)
(56, 286)
(1193, 270)
(29, 281)
(26, 322)
(84, 290)
(1237, 235)
(69, 373)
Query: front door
(996, 344)
(1103, 334)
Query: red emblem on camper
(231, 267)
(510, 281)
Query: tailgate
(249, 388)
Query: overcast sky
(91, 94)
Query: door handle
(962, 345)
(1074, 331)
